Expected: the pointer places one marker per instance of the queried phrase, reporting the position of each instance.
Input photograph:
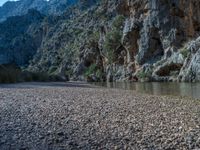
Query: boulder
(169, 67)
(190, 71)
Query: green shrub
(13, 74)
(26, 77)
(113, 38)
(184, 51)
(118, 22)
(99, 74)
(40, 76)
(53, 69)
(112, 41)
(77, 31)
(69, 72)
(142, 75)
(90, 70)
(9, 74)
(95, 36)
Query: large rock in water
(191, 69)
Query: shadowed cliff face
(130, 40)
(20, 37)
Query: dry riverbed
(59, 116)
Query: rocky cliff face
(124, 40)
(190, 71)
(154, 34)
(161, 27)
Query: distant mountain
(20, 37)
(17, 8)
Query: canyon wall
(123, 40)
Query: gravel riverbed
(64, 116)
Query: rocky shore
(57, 116)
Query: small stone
(60, 133)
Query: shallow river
(157, 88)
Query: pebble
(88, 117)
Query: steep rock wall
(132, 40)
(161, 24)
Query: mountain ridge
(21, 7)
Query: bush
(69, 72)
(99, 74)
(113, 38)
(9, 74)
(118, 22)
(13, 74)
(90, 70)
(26, 77)
(112, 41)
(184, 51)
(53, 69)
(40, 76)
(95, 36)
(142, 75)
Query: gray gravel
(59, 116)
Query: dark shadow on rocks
(30, 85)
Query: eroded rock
(191, 68)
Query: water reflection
(156, 88)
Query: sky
(3, 1)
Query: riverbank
(81, 116)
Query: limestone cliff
(153, 27)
